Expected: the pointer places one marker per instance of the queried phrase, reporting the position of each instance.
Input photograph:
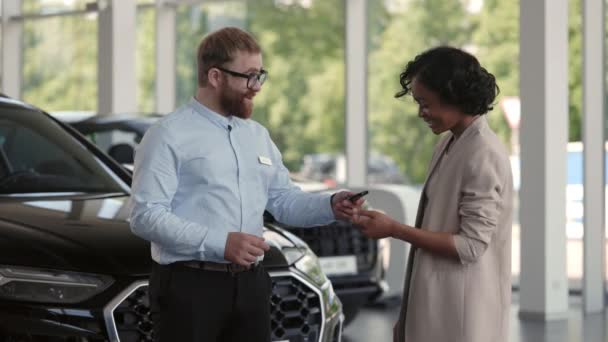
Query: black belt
(216, 266)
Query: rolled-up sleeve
(155, 182)
(292, 206)
(480, 205)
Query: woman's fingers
(367, 213)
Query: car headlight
(49, 286)
(309, 264)
(292, 255)
(333, 305)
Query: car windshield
(38, 156)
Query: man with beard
(203, 177)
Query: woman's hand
(374, 224)
(377, 225)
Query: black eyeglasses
(251, 78)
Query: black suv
(355, 264)
(70, 268)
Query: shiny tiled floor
(375, 324)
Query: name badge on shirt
(264, 160)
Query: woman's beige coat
(471, 196)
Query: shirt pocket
(259, 177)
(264, 175)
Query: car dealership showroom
(346, 104)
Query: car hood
(72, 233)
(88, 234)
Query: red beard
(236, 103)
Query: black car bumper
(20, 322)
(359, 286)
(298, 313)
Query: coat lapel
(480, 124)
(400, 330)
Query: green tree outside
(497, 37)
(303, 103)
(145, 60)
(395, 129)
(60, 63)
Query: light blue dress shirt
(199, 176)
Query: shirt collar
(214, 117)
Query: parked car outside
(355, 264)
(70, 268)
(330, 168)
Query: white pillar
(544, 137)
(593, 142)
(165, 56)
(356, 92)
(117, 83)
(12, 50)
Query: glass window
(49, 7)
(193, 22)
(302, 103)
(109, 140)
(191, 27)
(60, 57)
(574, 188)
(145, 57)
(36, 156)
(398, 31)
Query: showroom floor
(375, 324)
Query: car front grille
(132, 317)
(339, 239)
(295, 309)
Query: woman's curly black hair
(456, 76)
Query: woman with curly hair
(458, 280)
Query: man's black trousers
(195, 305)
